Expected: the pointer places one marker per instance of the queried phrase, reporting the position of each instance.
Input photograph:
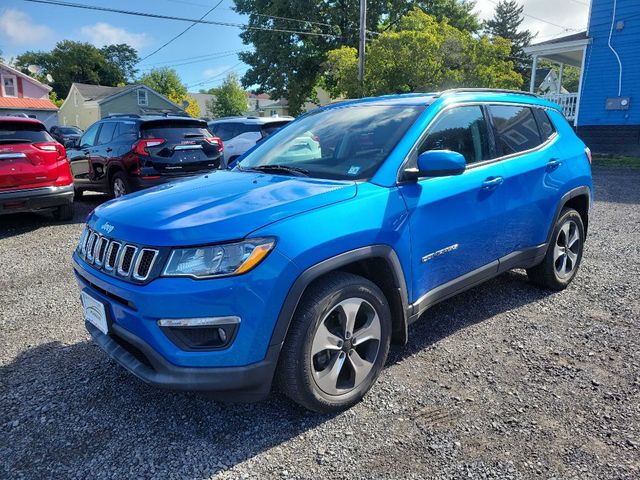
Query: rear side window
(271, 127)
(171, 130)
(23, 132)
(106, 132)
(226, 131)
(126, 131)
(544, 123)
(462, 130)
(516, 128)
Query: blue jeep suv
(302, 264)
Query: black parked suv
(66, 135)
(123, 153)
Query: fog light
(198, 334)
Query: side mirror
(438, 163)
(72, 143)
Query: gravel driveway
(504, 381)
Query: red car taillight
(216, 141)
(52, 147)
(140, 147)
(587, 150)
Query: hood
(217, 207)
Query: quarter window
(516, 128)
(462, 130)
(544, 123)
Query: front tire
(564, 253)
(337, 343)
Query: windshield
(69, 130)
(339, 143)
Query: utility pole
(363, 32)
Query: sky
(206, 53)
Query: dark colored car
(124, 153)
(66, 135)
(34, 172)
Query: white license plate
(94, 312)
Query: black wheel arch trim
(573, 193)
(384, 252)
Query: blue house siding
(601, 71)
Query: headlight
(218, 260)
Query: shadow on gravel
(506, 292)
(19, 223)
(69, 412)
(69, 409)
(613, 184)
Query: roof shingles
(27, 103)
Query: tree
(124, 57)
(192, 108)
(72, 62)
(422, 54)
(289, 64)
(506, 24)
(165, 81)
(230, 99)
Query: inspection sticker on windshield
(353, 170)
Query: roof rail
(485, 90)
(115, 115)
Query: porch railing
(568, 102)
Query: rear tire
(63, 212)
(77, 193)
(120, 185)
(564, 253)
(337, 343)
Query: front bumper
(32, 199)
(247, 383)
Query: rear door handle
(492, 182)
(553, 164)
(109, 149)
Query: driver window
(89, 137)
(462, 130)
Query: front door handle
(553, 164)
(109, 150)
(492, 182)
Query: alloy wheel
(119, 188)
(566, 249)
(345, 346)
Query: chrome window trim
(139, 259)
(417, 143)
(119, 270)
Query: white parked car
(239, 134)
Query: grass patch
(615, 161)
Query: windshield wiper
(300, 172)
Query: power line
(182, 19)
(196, 59)
(182, 32)
(566, 29)
(191, 62)
(212, 79)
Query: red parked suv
(34, 170)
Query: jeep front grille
(122, 260)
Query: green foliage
(230, 98)
(506, 24)
(422, 54)
(72, 62)
(289, 65)
(55, 100)
(124, 57)
(165, 81)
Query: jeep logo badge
(107, 227)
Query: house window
(9, 86)
(274, 113)
(142, 98)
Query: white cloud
(102, 34)
(571, 14)
(214, 72)
(18, 27)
